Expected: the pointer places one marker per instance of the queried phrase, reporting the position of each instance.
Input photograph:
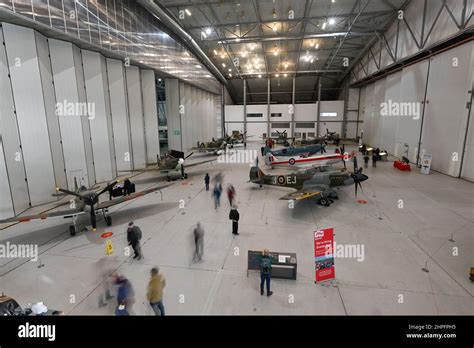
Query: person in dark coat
(134, 234)
(127, 187)
(234, 216)
(207, 179)
(374, 159)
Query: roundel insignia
(281, 180)
(292, 161)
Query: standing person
(366, 159)
(374, 159)
(265, 271)
(111, 190)
(155, 291)
(127, 187)
(198, 242)
(234, 216)
(231, 194)
(134, 235)
(207, 179)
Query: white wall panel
(6, 203)
(254, 129)
(187, 118)
(108, 108)
(412, 91)
(120, 119)
(468, 164)
(280, 108)
(390, 123)
(445, 120)
(52, 119)
(86, 129)
(181, 121)
(377, 120)
(150, 113)
(96, 94)
(195, 114)
(66, 89)
(26, 85)
(11, 145)
(306, 112)
(135, 111)
(368, 112)
(234, 113)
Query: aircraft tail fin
(256, 174)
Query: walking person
(134, 235)
(366, 159)
(234, 216)
(198, 242)
(124, 296)
(231, 194)
(155, 291)
(217, 195)
(207, 179)
(265, 272)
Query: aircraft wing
(139, 170)
(308, 192)
(115, 201)
(196, 163)
(43, 216)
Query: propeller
(188, 155)
(357, 176)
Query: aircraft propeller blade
(58, 189)
(189, 155)
(108, 187)
(93, 218)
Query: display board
(284, 264)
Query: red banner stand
(324, 255)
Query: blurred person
(124, 295)
(374, 159)
(155, 291)
(134, 235)
(217, 194)
(198, 242)
(234, 216)
(207, 179)
(106, 277)
(265, 271)
(366, 159)
(231, 194)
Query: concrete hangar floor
(398, 243)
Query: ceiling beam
(326, 34)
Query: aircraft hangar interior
(236, 157)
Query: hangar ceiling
(282, 39)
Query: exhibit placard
(324, 255)
(426, 163)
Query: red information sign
(106, 235)
(324, 254)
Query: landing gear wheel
(108, 220)
(323, 201)
(168, 178)
(72, 230)
(185, 175)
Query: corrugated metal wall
(38, 77)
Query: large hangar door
(445, 119)
(6, 203)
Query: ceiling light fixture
(332, 21)
(285, 75)
(208, 31)
(277, 75)
(324, 25)
(274, 13)
(252, 46)
(274, 27)
(188, 12)
(259, 76)
(215, 52)
(223, 64)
